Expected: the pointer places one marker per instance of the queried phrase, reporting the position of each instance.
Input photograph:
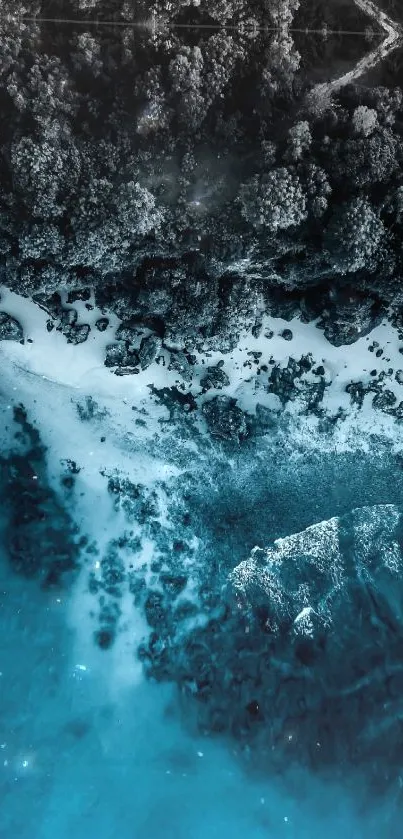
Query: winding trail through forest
(393, 39)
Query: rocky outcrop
(300, 660)
(10, 329)
(350, 316)
(225, 419)
(214, 377)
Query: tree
(274, 201)
(185, 71)
(365, 159)
(317, 188)
(365, 120)
(354, 237)
(45, 171)
(299, 141)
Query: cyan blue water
(76, 762)
(86, 754)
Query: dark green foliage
(190, 182)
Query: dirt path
(393, 39)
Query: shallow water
(89, 747)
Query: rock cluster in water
(298, 652)
(40, 539)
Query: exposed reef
(297, 653)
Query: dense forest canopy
(133, 157)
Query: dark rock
(102, 324)
(126, 371)
(68, 318)
(114, 355)
(78, 333)
(78, 294)
(74, 332)
(349, 316)
(287, 334)
(175, 400)
(306, 363)
(357, 393)
(214, 377)
(253, 708)
(154, 610)
(384, 400)
(180, 361)
(313, 303)
(104, 639)
(39, 537)
(257, 329)
(397, 412)
(282, 380)
(72, 466)
(311, 395)
(129, 332)
(225, 419)
(118, 356)
(281, 303)
(149, 349)
(10, 329)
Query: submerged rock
(384, 400)
(300, 660)
(225, 419)
(330, 599)
(39, 536)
